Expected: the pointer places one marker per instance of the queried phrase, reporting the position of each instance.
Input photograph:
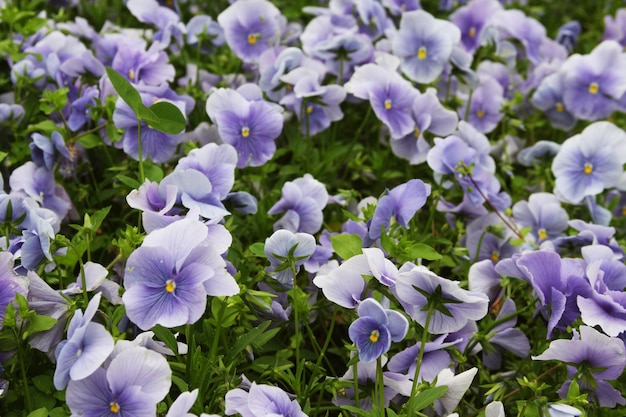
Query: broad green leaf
(39, 324)
(40, 412)
(347, 245)
(153, 172)
(127, 92)
(131, 182)
(170, 118)
(258, 249)
(427, 397)
(90, 141)
(423, 251)
(166, 336)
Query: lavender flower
(302, 201)
(261, 401)
(424, 44)
(401, 204)
(590, 162)
(593, 83)
(549, 98)
(344, 285)
(599, 358)
(424, 294)
(134, 382)
(250, 126)
(375, 329)
(251, 27)
(287, 252)
(472, 19)
(167, 279)
(544, 214)
(483, 107)
(87, 346)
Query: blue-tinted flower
(344, 285)
(529, 32)
(251, 27)
(422, 293)
(472, 19)
(261, 401)
(568, 34)
(286, 250)
(424, 44)
(615, 28)
(165, 277)
(390, 96)
(397, 7)
(435, 359)
(250, 126)
(563, 410)
(201, 28)
(134, 382)
(46, 151)
(10, 283)
(593, 83)
(401, 204)
(504, 337)
(87, 346)
(375, 329)
(590, 162)
(136, 64)
(549, 97)
(599, 358)
(484, 105)
(302, 201)
(544, 214)
(163, 18)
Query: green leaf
(46, 126)
(180, 383)
(40, 412)
(90, 141)
(39, 324)
(166, 337)
(258, 249)
(427, 397)
(355, 410)
(43, 383)
(347, 245)
(421, 250)
(170, 118)
(126, 91)
(153, 172)
(131, 182)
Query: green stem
(380, 386)
(420, 357)
(355, 139)
(296, 316)
(218, 329)
(142, 176)
(22, 361)
(467, 108)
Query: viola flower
(132, 384)
(397, 7)
(137, 64)
(261, 401)
(401, 204)
(528, 31)
(250, 126)
(457, 386)
(484, 105)
(472, 19)
(504, 337)
(46, 151)
(594, 83)
(375, 329)
(286, 250)
(434, 360)
(615, 28)
(87, 346)
(429, 116)
(424, 44)
(202, 27)
(390, 96)
(568, 34)
(422, 293)
(599, 359)
(544, 214)
(549, 97)
(165, 277)
(10, 283)
(251, 27)
(344, 285)
(302, 201)
(166, 20)
(590, 162)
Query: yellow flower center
(593, 88)
(417, 132)
(309, 109)
(114, 407)
(472, 32)
(245, 132)
(421, 53)
(559, 107)
(480, 113)
(624, 211)
(374, 336)
(588, 168)
(388, 104)
(170, 285)
(495, 256)
(542, 234)
(253, 38)
(131, 74)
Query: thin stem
(467, 108)
(420, 357)
(380, 384)
(22, 361)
